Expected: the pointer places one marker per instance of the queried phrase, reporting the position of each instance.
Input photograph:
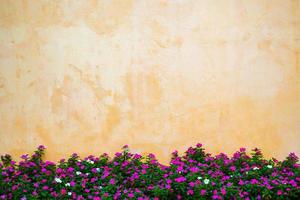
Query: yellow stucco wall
(91, 76)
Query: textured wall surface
(91, 76)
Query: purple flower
(118, 154)
(137, 156)
(41, 147)
(25, 156)
(199, 145)
(112, 181)
(151, 156)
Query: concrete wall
(91, 76)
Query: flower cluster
(194, 175)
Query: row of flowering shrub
(194, 175)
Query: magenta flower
(180, 179)
(223, 191)
(72, 183)
(194, 169)
(118, 154)
(45, 187)
(232, 168)
(112, 181)
(254, 181)
(70, 170)
(190, 192)
(199, 145)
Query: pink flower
(203, 192)
(97, 198)
(190, 192)
(59, 170)
(70, 169)
(279, 192)
(192, 184)
(254, 181)
(112, 181)
(223, 191)
(106, 194)
(118, 154)
(130, 195)
(72, 183)
(232, 168)
(45, 187)
(215, 196)
(63, 191)
(194, 169)
(241, 182)
(180, 179)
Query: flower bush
(194, 175)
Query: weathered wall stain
(91, 76)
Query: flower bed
(194, 175)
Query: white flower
(269, 166)
(58, 180)
(100, 187)
(98, 169)
(231, 176)
(199, 177)
(255, 168)
(78, 173)
(90, 161)
(69, 193)
(79, 160)
(67, 184)
(246, 172)
(206, 181)
(87, 174)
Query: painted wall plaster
(91, 76)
